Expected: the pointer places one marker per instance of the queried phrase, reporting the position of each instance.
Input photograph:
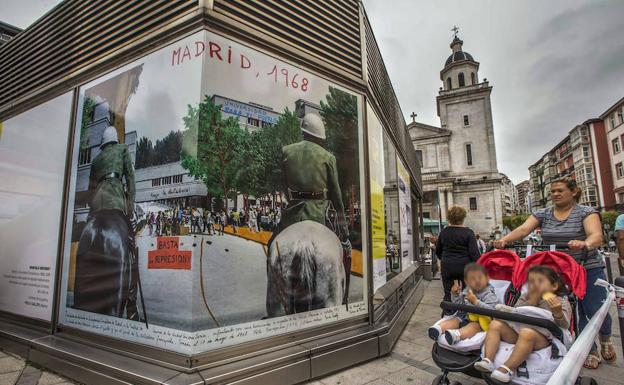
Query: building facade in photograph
(613, 121)
(523, 192)
(579, 155)
(459, 157)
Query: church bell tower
(464, 108)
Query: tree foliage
(166, 150)
(339, 112)
(514, 221)
(219, 154)
(608, 218)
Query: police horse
(106, 266)
(305, 270)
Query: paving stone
(379, 381)
(30, 376)
(364, 374)
(410, 376)
(11, 364)
(9, 378)
(48, 378)
(411, 350)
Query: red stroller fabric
(573, 274)
(500, 264)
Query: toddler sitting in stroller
(478, 292)
(546, 291)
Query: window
(585, 152)
(419, 156)
(612, 119)
(619, 170)
(615, 143)
(621, 115)
(167, 180)
(473, 203)
(462, 81)
(466, 120)
(449, 84)
(84, 157)
(469, 154)
(253, 122)
(473, 78)
(426, 215)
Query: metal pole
(619, 299)
(609, 269)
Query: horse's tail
(303, 281)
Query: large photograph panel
(217, 200)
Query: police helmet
(109, 136)
(313, 124)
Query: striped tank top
(556, 232)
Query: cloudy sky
(553, 64)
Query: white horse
(305, 270)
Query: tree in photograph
(145, 155)
(218, 158)
(271, 139)
(339, 112)
(87, 118)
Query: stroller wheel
(442, 379)
(586, 381)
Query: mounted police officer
(312, 187)
(109, 170)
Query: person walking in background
(235, 216)
(222, 222)
(456, 247)
(578, 227)
(480, 244)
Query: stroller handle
(520, 318)
(564, 247)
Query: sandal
(607, 351)
(502, 376)
(592, 361)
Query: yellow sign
(377, 175)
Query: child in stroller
(547, 292)
(478, 292)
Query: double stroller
(508, 274)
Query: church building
(459, 158)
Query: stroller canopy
(500, 264)
(573, 274)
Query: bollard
(619, 299)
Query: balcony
(459, 90)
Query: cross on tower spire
(413, 116)
(455, 30)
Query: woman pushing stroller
(579, 227)
(546, 291)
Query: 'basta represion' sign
(168, 255)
